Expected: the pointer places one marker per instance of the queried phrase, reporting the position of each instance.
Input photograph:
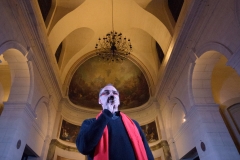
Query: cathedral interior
(181, 80)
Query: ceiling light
(184, 120)
(113, 47)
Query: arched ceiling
(77, 25)
(92, 75)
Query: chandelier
(113, 47)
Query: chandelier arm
(112, 18)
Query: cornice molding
(58, 144)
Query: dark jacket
(119, 143)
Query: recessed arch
(207, 55)
(179, 103)
(177, 118)
(214, 46)
(40, 112)
(225, 82)
(40, 129)
(42, 118)
(15, 55)
(15, 45)
(201, 77)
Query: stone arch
(43, 100)
(41, 127)
(214, 46)
(15, 55)
(42, 117)
(178, 115)
(201, 77)
(207, 56)
(180, 103)
(13, 44)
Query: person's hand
(110, 103)
(110, 107)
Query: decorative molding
(166, 150)
(74, 149)
(219, 47)
(13, 45)
(63, 146)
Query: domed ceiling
(93, 74)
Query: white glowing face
(109, 96)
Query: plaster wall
(9, 30)
(181, 92)
(38, 87)
(36, 139)
(215, 26)
(18, 116)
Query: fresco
(150, 131)
(69, 132)
(93, 74)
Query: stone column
(212, 138)
(15, 123)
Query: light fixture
(184, 120)
(113, 47)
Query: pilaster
(15, 122)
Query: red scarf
(101, 151)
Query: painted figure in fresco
(112, 135)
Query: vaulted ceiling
(73, 28)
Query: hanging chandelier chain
(112, 47)
(112, 17)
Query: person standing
(112, 135)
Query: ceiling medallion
(113, 47)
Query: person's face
(109, 96)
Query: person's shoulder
(90, 120)
(136, 122)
